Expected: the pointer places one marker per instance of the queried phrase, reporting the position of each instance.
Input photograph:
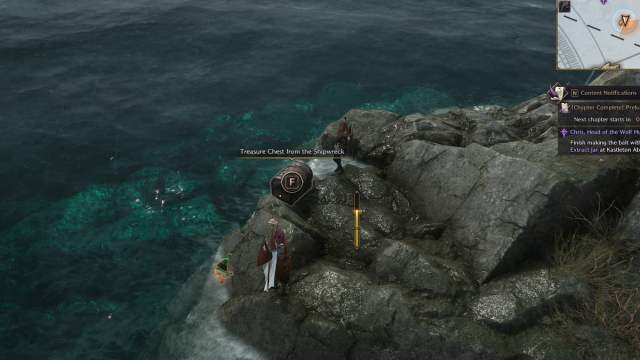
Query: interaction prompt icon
(292, 183)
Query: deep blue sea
(119, 122)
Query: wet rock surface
(461, 207)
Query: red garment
(344, 130)
(344, 138)
(264, 255)
(277, 241)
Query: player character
(269, 254)
(342, 141)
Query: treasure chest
(292, 183)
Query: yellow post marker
(356, 220)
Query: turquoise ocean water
(119, 125)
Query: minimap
(598, 34)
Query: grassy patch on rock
(611, 271)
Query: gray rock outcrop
(519, 300)
(628, 232)
(461, 207)
(503, 202)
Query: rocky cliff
(464, 211)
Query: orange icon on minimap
(626, 24)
